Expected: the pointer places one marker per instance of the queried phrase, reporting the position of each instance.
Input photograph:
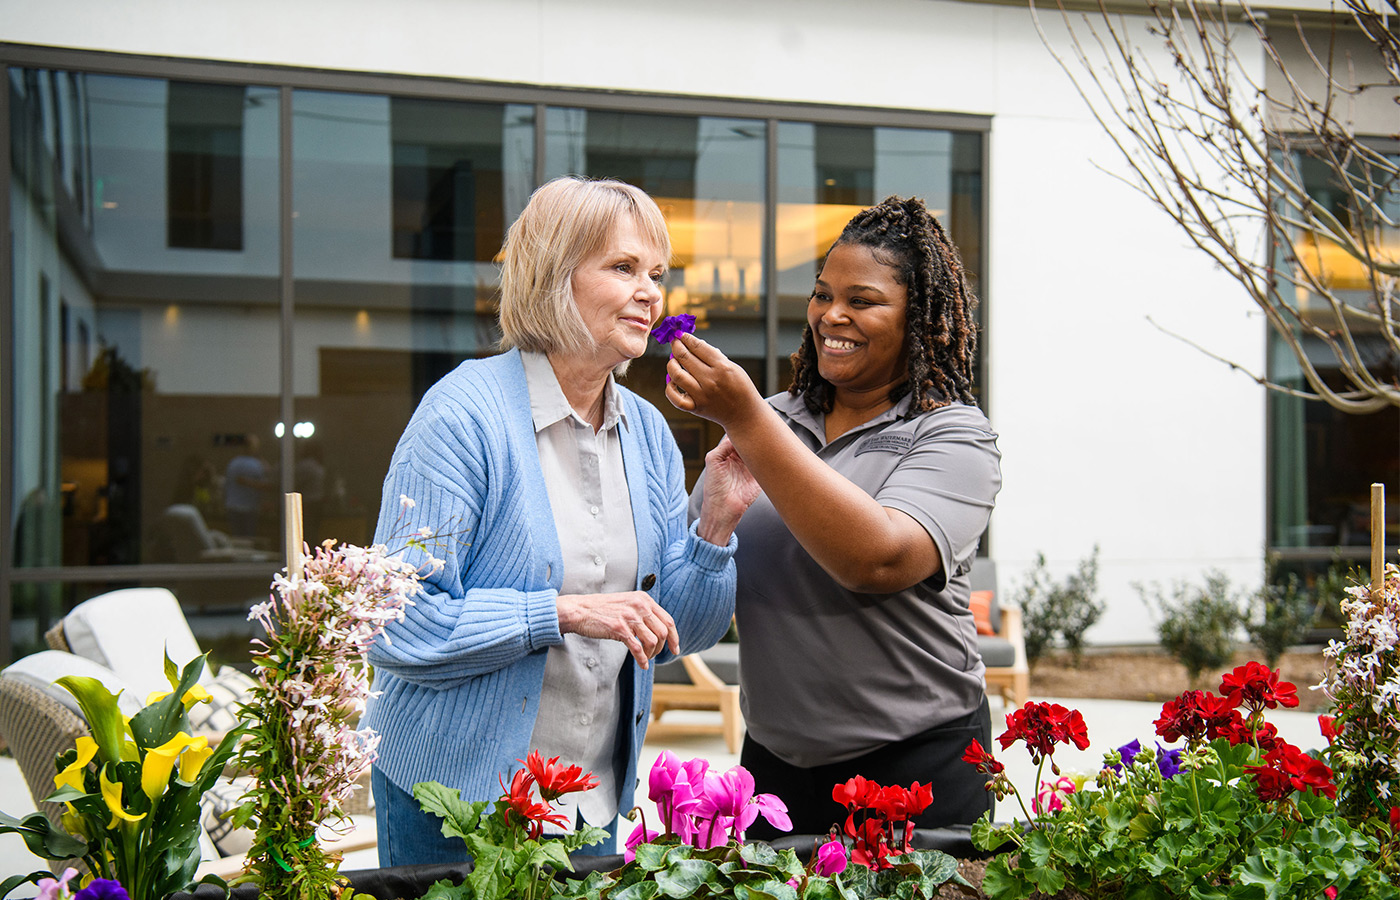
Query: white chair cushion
(130, 631)
(41, 670)
(228, 689)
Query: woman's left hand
(709, 384)
(730, 489)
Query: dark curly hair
(941, 326)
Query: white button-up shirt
(583, 474)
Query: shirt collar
(795, 408)
(548, 404)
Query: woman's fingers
(631, 618)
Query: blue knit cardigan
(460, 677)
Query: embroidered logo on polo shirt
(893, 443)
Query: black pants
(932, 757)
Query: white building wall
(1112, 432)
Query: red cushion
(981, 604)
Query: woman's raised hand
(730, 489)
(709, 384)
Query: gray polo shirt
(828, 674)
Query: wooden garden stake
(294, 536)
(1377, 539)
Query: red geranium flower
(555, 780)
(977, 756)
(1042, 726)
(1197, 715)
(1270, 783)
(1288, 769)
(1395, 818)
(1255, 686)
(1265, 737)
(1328, 726)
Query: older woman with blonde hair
(574, 568)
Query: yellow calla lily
(193, 759)
(112, 793)
(73, 775)
(196, 694)
(159, 761)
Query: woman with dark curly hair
(879, 475)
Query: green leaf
(642, 890)
(459, 816)
(446, 890)
(42, 837)
(14, 881)
(489, 876)
(999, 882)
(986, 836)
(652, 856)
(771, 889)
(1047, 879)
(757, 853)
(685, 877)
(166, 718)
(104, 718)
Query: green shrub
(1065, 609)
(1198, 623)
(1282, 616)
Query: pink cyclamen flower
(640, 835)
(831, 859)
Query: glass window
(143, 371)
(400, 207)
(204, 169)
(706, 174)
(1323, 461)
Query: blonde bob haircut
(566, 221)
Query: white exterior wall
(1112, 432)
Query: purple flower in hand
(673, 327)
(831, 858)
(102, 889)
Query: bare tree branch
(1263, 169)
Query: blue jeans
(408, 836)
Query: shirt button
(593, 510)
(597, 560)
(591, 662)
(585, 719)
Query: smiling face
(857, 315)
(618, 293)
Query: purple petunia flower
(1128, 752)
(1168, 761)
(673, 327)
(102, 889)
